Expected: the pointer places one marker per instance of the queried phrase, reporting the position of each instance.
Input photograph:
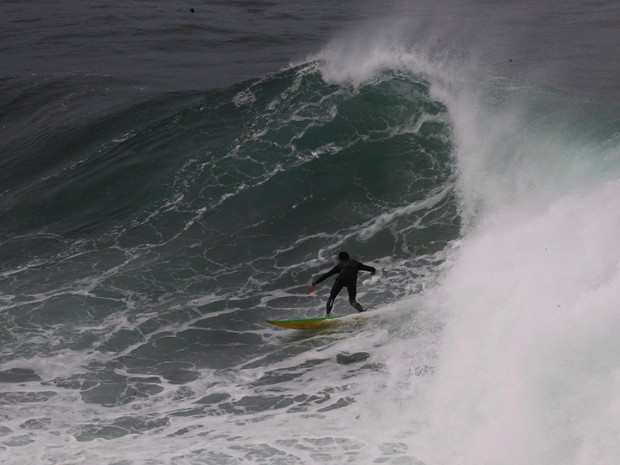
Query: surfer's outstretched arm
(363, 267)
(323, 277)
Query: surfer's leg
(352, 288)
(336, 288)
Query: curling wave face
(148, 241)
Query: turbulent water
(171, 178)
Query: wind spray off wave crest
(361, 56)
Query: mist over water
(146, 236)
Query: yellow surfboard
(318, 323)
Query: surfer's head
(343, 256)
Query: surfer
(346, 269)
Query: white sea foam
(526, 367)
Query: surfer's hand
(310, 288)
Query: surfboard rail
(305, 323)
(318, 322)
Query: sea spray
(528, 357)
(522, 352)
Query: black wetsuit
(347, 277)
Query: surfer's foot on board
(357, 306)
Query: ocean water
(173, 174)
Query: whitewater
(146, 234)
